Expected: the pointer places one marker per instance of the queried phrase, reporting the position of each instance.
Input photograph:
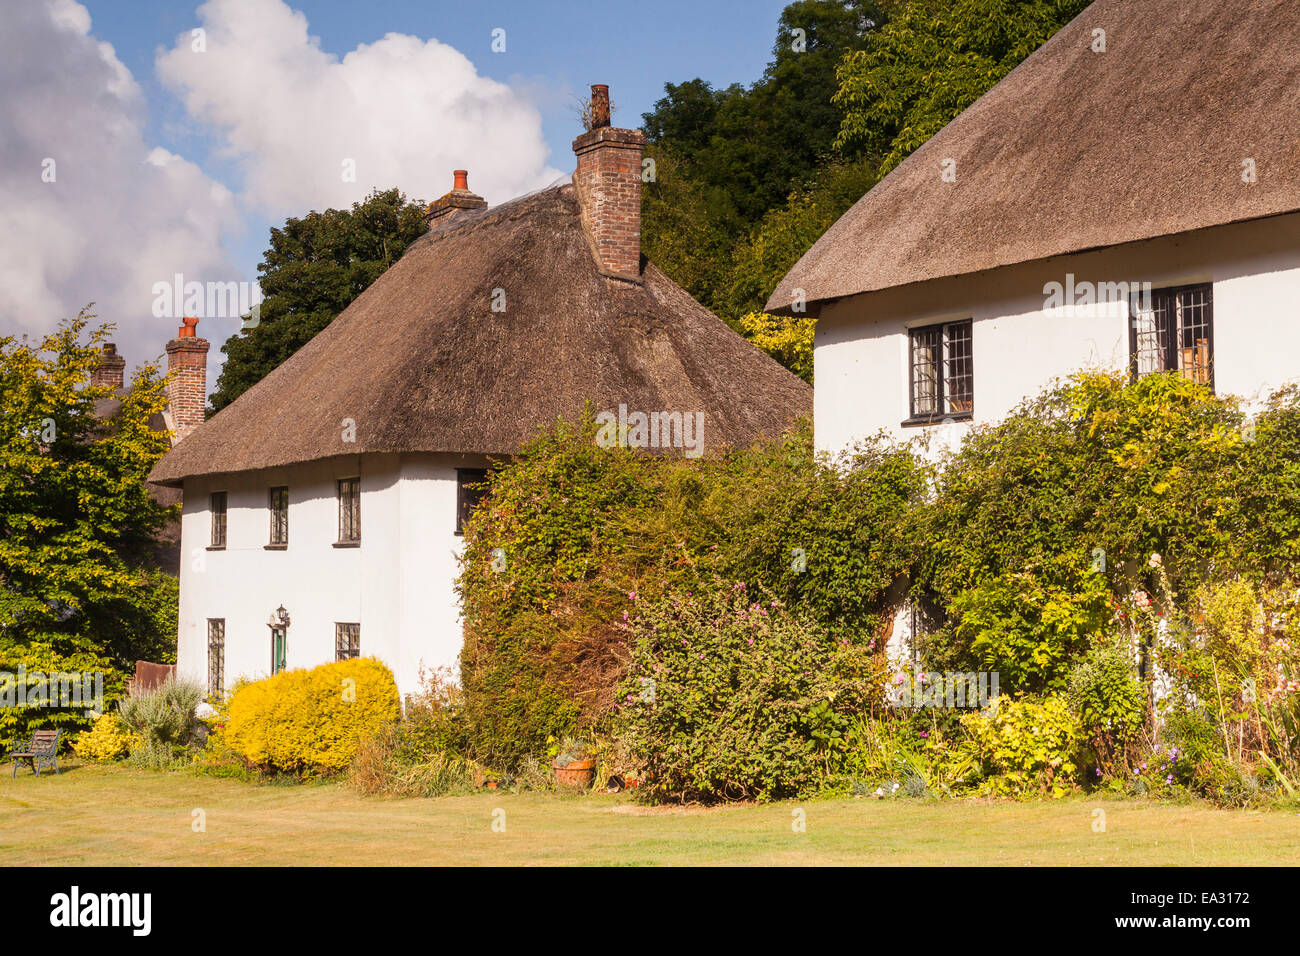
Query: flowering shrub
(310, 721)
(107, 739)
(729, 696)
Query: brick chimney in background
(111, 369)
(608, 180)
(187, 380)
(454, 203)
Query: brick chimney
(109, 373)
(187, 380)
(454, 203)
(608, 180)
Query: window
(1173, 330)
(279, 648)
(942, 383)
(279, 518)
(349, 510)
(217, 505)
(347, 641)
(469, 492)
(216, 657)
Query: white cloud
(406, 111)
(119, 214)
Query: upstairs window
(347, 641)
(349, 510)
(942, 384)
(470, 490)
(279, 504)
(217, 505)
(1173, 330)
(216, 657)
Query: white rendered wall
(1019, 347)
(399, 584)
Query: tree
(775, 243)
(314, 269)
(746, 148)
(79, 590)
(931, 60)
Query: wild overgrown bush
(1028, 746)
(730, 696)
(310, 721)
(571, 530)
(1123, 555)
(423, 754)
(1110, 702)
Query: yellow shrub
(107, 739)
(310, 721)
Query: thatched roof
(1075, 150)
(421, 362)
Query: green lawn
(97, 815)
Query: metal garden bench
(43, 749)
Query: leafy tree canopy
(748, 178)
(79, 587)
(746, 146)
(931, 60)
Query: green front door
(278, 641)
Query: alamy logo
(36, 689)
(684, 430)
(207, 300)
(976, 690)
(1101, 299)
(102, 909)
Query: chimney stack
(608, 180)
(110, 371)
(455, 202)
(187, 380)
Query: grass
(112, 815)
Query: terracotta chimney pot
(454, 203)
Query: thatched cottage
(322, 508)
(1127, 198)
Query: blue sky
(552, 55)
(133, 156)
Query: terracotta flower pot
(579, 773)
